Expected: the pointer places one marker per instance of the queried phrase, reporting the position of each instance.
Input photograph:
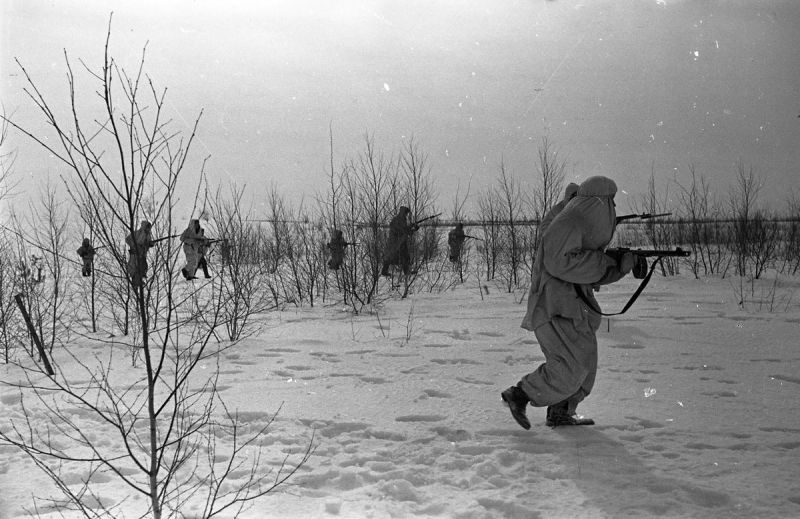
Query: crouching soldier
(86, 252)
(455, 240)
(139, 242)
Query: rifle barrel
(643, 216)
(677, 252)
(427, 218)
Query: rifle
(640, 267)
(643, 216)
(640, 271)
(473, 237)
(645, 253)
(153, 242)
(344, 244)
(416, 224)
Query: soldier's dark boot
(559, 415)
(517, 401)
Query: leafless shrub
(489, 249)
(510, 207)
(700, 213)
(659, 236)
(791, 245)
(458, 215)
(238, 284)
(46, 290)
(742, 200)
(551, 172)
(309, 256)
(764, 295)
(11, 327)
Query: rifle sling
(630, 302)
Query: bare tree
(458, 215)
(11, 332)
(417, 184)
(551, 169)
(375, 177)
(791, 252)
(511, 207)
(700, 214)
(240, 275)
(45, 290)
(551, 173)
(489, 214)
(658, 235)
(309, 263)
(753, 236)
(9, 323)
(128, 164)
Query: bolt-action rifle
(640, 271)
(416, 224)
(640, 267)
(643, 216)
(153, 242)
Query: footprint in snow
(374, 380)
(470, 380)
(420, 418)
(454, 361)
(721, 394)
(490, 334)
(645, 423)
(435, 393)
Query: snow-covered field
(696, 406)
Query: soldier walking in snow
(336, 247)
(455, 240)
(225, 251)
(397, 249)
(86, 252)
(202, 262)
(192, 240)
(139, 242)
(570, 257)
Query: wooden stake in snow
(48, 368)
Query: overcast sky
(617, 86)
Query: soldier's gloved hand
(626, 262)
